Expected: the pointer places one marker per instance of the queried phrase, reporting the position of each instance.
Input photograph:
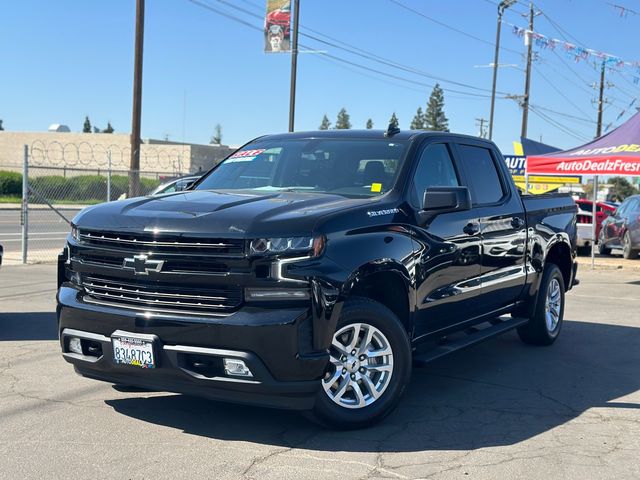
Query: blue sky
(66, 59)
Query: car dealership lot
(498, 410)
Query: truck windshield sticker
(376, 187)
(244, 155)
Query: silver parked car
(621, 230)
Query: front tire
(628, 252)
(369, 369)
(602, 248)
(544, 326)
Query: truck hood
(227, 213)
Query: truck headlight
(312, 245)
(74, 233)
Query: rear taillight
(584, 219)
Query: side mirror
(446, 199)
(437, 200)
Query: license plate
(133, 351)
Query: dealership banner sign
(596, 165)
(277, 26)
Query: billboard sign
(277, 26)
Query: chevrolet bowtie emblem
(141, 265)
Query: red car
(282, 17)
(601, 212)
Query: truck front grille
(163, 243)
(152, 296)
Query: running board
(470, 337)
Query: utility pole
(504, 4)
(527, 84)
(294, 65)
(480, 123)
(600, 102)
(134, 174)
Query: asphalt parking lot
(498, 410)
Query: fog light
(276, 294)
(237, 368)
(75, 345)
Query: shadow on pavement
(499, 393)
(28, 326)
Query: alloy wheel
(553, 305)
(361, 366)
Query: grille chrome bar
(152, 243)
(168, 311)
(138, 291)
(152, 296)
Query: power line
(449, 27)
(560, 92)
(354, 51)
(558, 125)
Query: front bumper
(276, 344)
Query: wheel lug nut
(343, 358)
(361, 369)
(361, 357)
(353, 376)
(344, 370)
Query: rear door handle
(471, 228)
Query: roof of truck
(401, 135)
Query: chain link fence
(36, 209)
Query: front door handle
(471, 228)
(517, 223)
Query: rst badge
(142, 265)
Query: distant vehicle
(280, 17)
(602, 210)
(175, 185)
(585, 232)
(621, 230)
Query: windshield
(358, 168)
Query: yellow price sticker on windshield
(376, 187)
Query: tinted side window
(435, 169)
(484, 179)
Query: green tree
(216, 138)
(434, 118)
(369, 124)
(86, 127)
(1, 127)
(109, 128)
(394, 121)
(621, 188)
(418, 121)
(325, 123)
(343, 122)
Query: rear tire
(544, 326)
(602, 249)
(361, 389)
(628, 252)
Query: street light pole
(294, 65)
(504, 4)
(134, 166)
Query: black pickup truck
(311, 271)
